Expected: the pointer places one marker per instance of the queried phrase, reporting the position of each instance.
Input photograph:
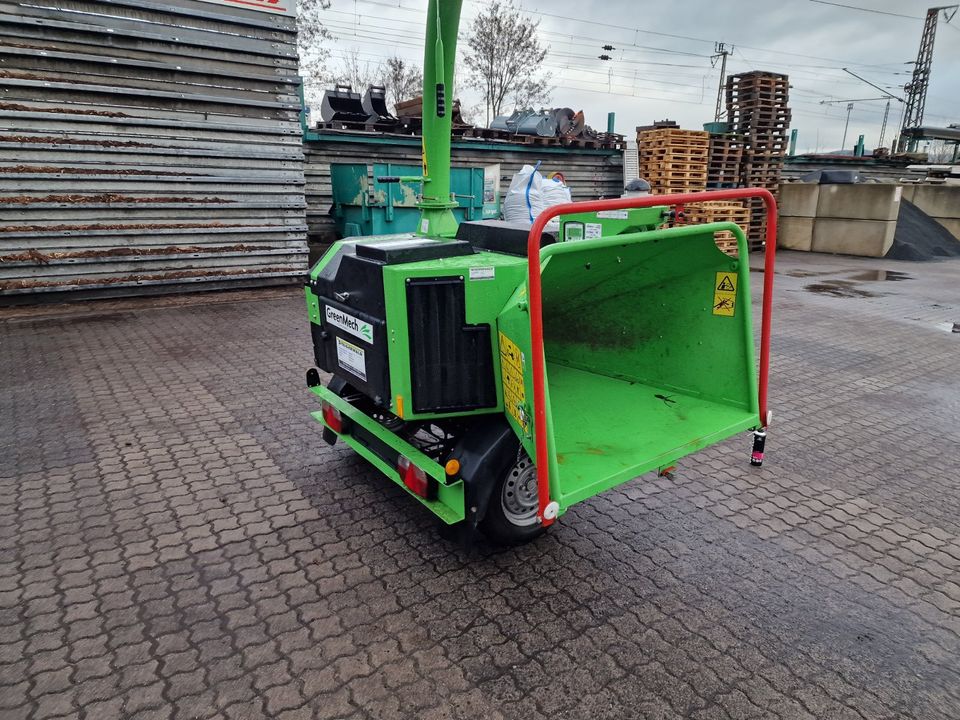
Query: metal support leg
(759, 441)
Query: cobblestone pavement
(178, 543)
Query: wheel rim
(518, 497)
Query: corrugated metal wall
(147, 147)
(590, 173)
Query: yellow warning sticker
(725, 294)
(511, 372)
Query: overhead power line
(869, 10)
(688, 37)
(874, 85)
(348, 31)
(580, 38)
(634, 63)
(623, 28)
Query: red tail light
(416, 480)
(332, 417)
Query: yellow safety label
(511, 373)
(725, 294)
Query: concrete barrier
(795, 233)
(857, 219)
(848, 236)
(942, 203)
(859, 202)
(797, 207)
(798, 200)
(938, 201)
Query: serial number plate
(352, 358)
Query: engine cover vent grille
(451, 362)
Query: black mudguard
(486, 451)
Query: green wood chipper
(501, 374)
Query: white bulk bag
(530, 194)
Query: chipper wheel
(511, 517)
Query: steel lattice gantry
(917, 88)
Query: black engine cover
(451, 362)
(341, 347)
(351, 341)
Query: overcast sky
(662, 68)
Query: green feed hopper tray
(648, 350)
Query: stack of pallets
(674, 160)
(721, 211)
(758, 112)
(726, 157)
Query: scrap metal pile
(342, 109)
(556, 126)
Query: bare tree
(356, 72)
(402, 80)
(940, 152)
(531, 93)
(504, 56)
(312, 36)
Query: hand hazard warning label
(725, 294)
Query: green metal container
(363, 206)
(717, 128)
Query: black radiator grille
(451, 363)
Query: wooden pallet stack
(726, 158)
(721, 211)
(674, 160)
(758, 112)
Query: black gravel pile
(920, 237)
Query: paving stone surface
(177, 543)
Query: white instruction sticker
(351, 358)
(424, 226)
(593, 230)
(482, 273)
(613, 214)
(348, 323)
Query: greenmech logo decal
(347, 322)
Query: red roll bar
(535, 303)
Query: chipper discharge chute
(501, 374)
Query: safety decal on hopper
(511, 372)
(725, 294)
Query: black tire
(511, 517)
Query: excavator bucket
(342, 104)
(375, 103)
